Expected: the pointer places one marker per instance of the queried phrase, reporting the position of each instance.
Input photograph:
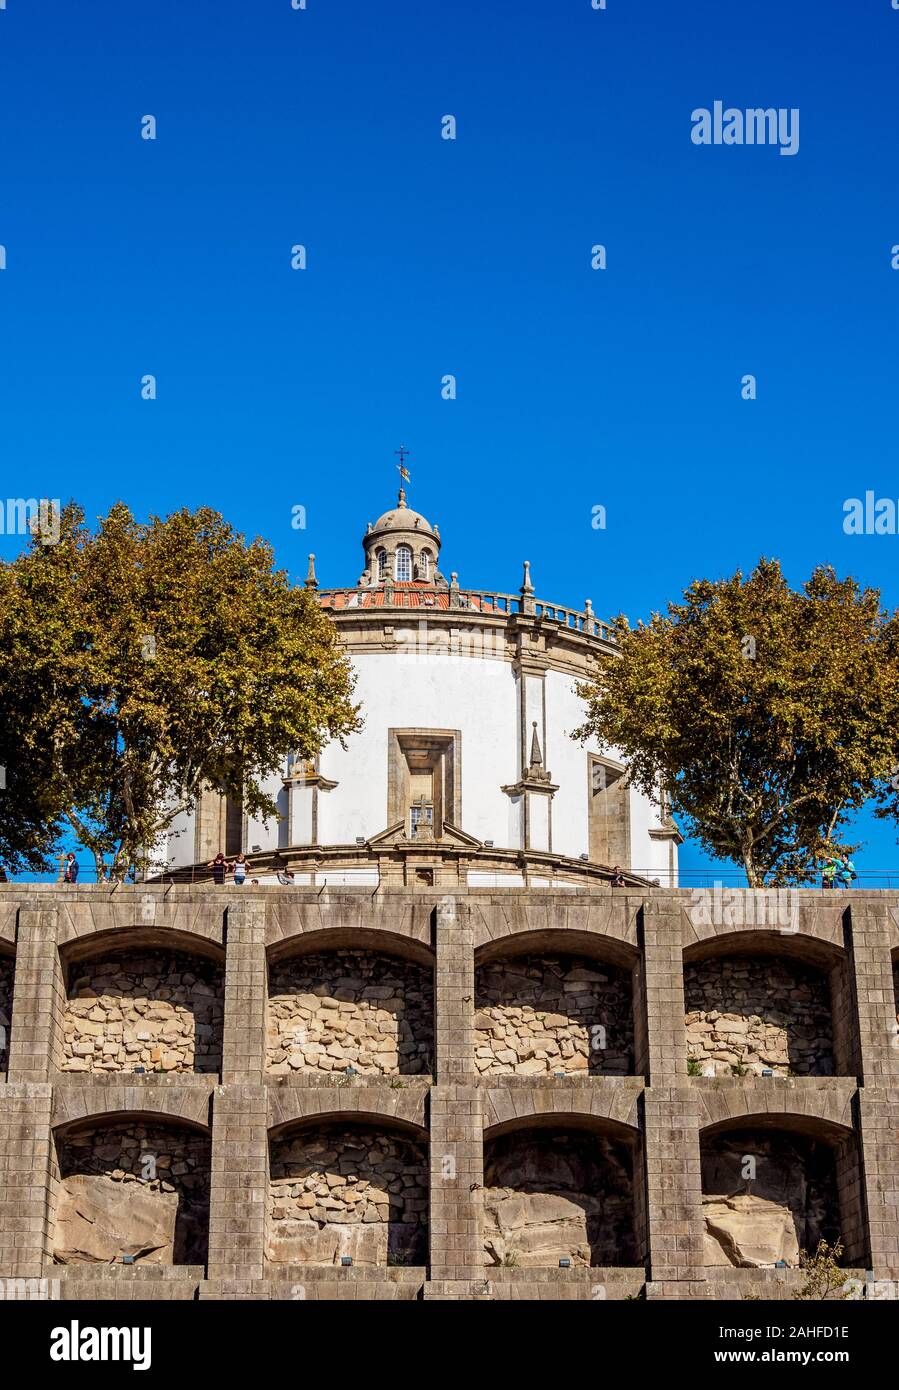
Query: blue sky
(576, 387)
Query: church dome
(401, 547)
(402, 518)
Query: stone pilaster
(664, 1041)
(869, 936)
(239, 1184)
(457, 1172)
(243, 1046)
(457, 1179)
(878, 1142)
(673, 1216)
(35, 1048)
(454, 991)
(27, 1172)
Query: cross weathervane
(402, 454)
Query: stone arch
(142, 1000)
(579, 1108)
(778, 914)
(338, 1001)
(799, 945)
(342, 1186)
(543, 1007)
(403, 1107)
(773, 1000)
(130, 1186)
(143, 908)
(563, 1186)
(7, 976)
(830, 1104)
(587, 927)
(774, 1185)
(329, 926)
(526, 938)
(136, 936)
(102, 1102)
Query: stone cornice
(531, 784)
(490, 636)
(666, 832)
(314, 779)
(391, 861)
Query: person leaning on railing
(838, 872)
(219, 867)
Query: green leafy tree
(824, 1279)
(767, 715)
(158, 658)
(33, 783)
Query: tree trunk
(753, 877)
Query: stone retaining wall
(756, 1012)
(766, 1197)
(350, 1008)
(537, 1015)
(523, 1169)
(132, 1189)
(157, 1010)
(340, 1190)
(558, 1195)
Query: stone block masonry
(347, 1191)
(746, 1014)
(350, 1008)
(546, 1014)
(160, 1011)
(491, 1094)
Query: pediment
(395, 837)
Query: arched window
(382, 564)
(403, 564)
(424, 565)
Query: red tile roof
(409, 595)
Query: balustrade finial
(527, 590)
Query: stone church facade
(465, 773)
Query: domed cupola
(402, 548)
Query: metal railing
(735, 878)
(884, 879)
